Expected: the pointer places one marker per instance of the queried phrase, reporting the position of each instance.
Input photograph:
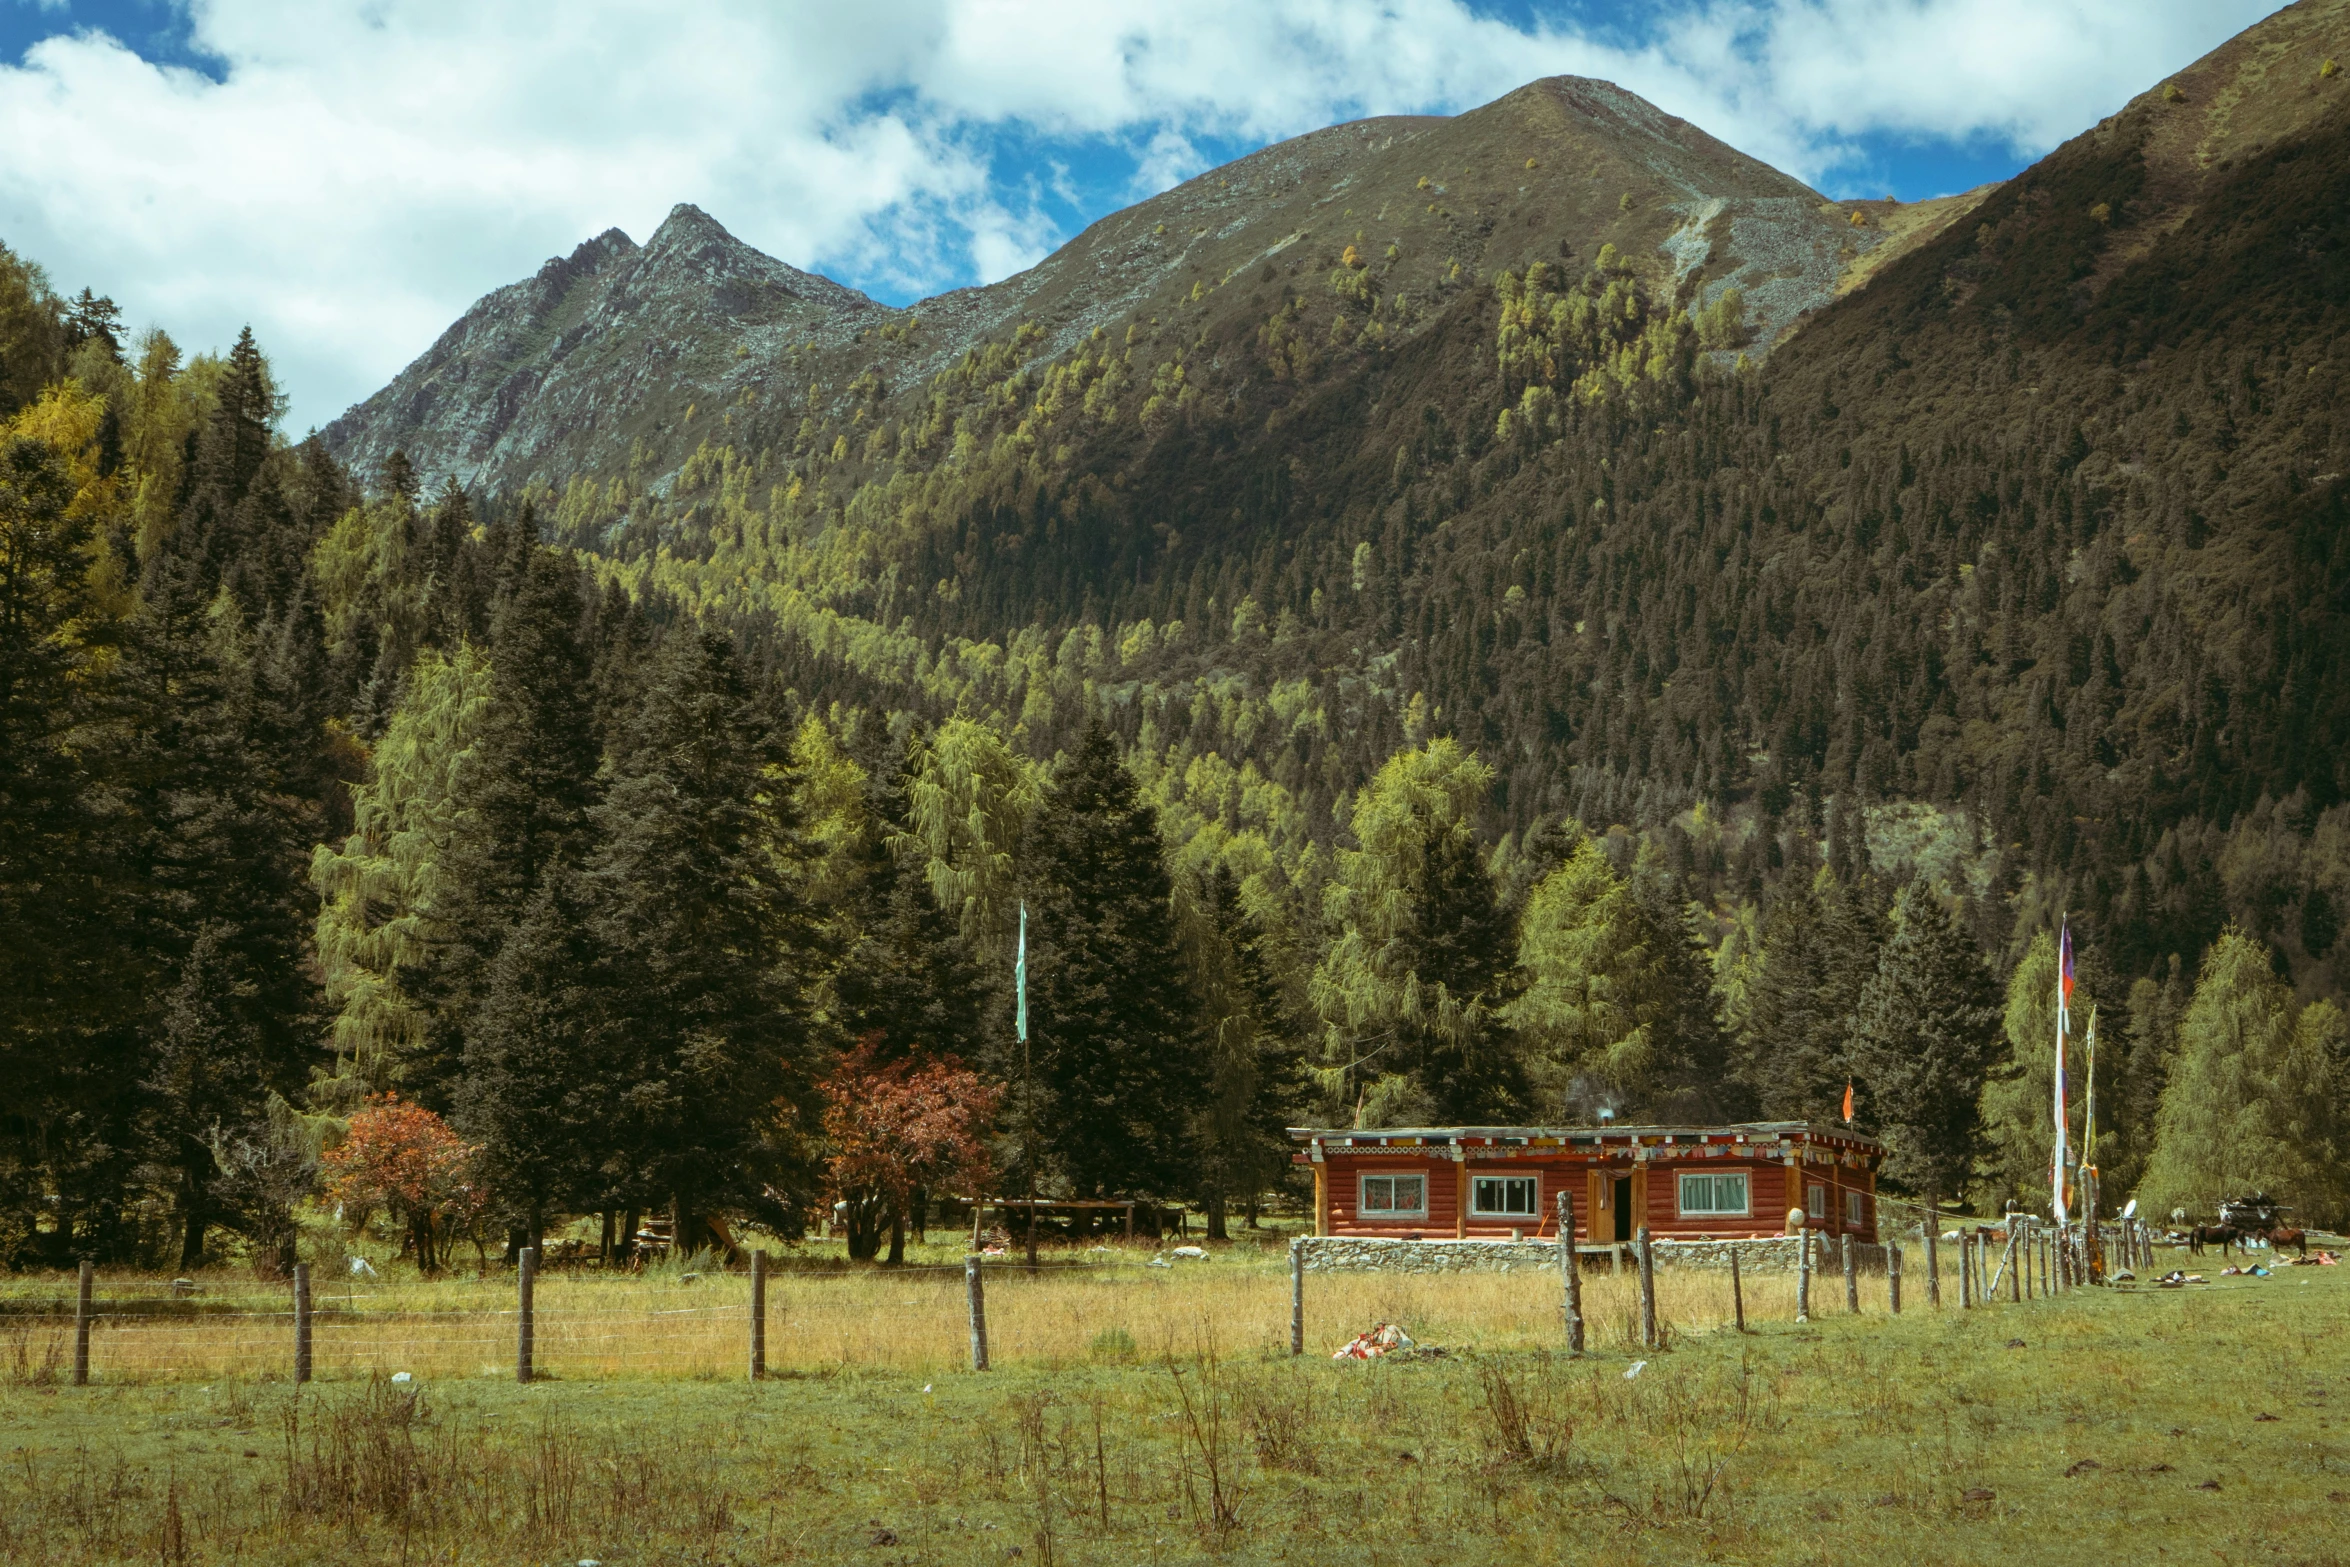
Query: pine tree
(1119, 1062)
(906, 983)
(1256, 1068)
(1925, 1032)
(1820, 939)
(707, 951)
(221, 765)
(73, 972)
(544, 1073)
(527, 789)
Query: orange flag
(1848, 1101)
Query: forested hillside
(1400, 682)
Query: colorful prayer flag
(1848, 1101)
(2064, 995)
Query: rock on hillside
(619, 359)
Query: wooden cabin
(1683, 1182)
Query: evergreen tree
(73, 973)
(527, 789)
(1820, 939)
(222, 763)
(1925, 1032)
(2251, 1104)
(907, 984)
(544, 1072)
(1119, 1062)
(707, 952)
(1255, 1066)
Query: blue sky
(349, 177)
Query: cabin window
(1503, 1196)
(1815, 1204)
(1394, 1197)
(1856, 1210)
(1714, 1194)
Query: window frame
(1530, 1215)
(1856, 1208)
(1681, 1206)
(1363, 1208)
(1818, 1215)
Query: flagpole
(2089, 1152)
(1027, 1072)
(2064, 963)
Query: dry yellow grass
(593, 1327)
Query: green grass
(1931, 1436)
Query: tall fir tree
(1820, 940)
(708, 952)
(528, 786)
(1255, 1062)
(1925, 1032)
(906, 982)
(1119, 1062)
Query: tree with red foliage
(896, 1127)
(402, 1158)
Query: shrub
(2172, 94)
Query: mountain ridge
(1558, 168)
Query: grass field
(1143, 1415)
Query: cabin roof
(1756, 1132)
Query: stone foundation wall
(1373, 1254)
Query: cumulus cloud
(358, 174)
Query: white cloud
(361, 173)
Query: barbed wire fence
(987, 1312)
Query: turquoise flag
(1020, 978)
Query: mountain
(1999, 539)
(616, 345)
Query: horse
(2225, 1235)
(2284, 1235)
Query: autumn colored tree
(896, 1127)
(403, 1159)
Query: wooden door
(1639, 1197)
(1599, 1219)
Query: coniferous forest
(1502, 703)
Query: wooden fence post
(1893, 1278)
(1647, 1290)
(1851, 1275)
(1737, 1290)
(81, 1328)
(1803, 1274)
(1570, 1275)
(1297, 1296)
(2014, 1262)
(758, 1316)
(978, 1295)
(526, 1274)
(301, 1323)
(1933, 1255)
(1966, 1271)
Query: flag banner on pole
(1848, 1101)
(1020, 978)
(2058, 1159)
